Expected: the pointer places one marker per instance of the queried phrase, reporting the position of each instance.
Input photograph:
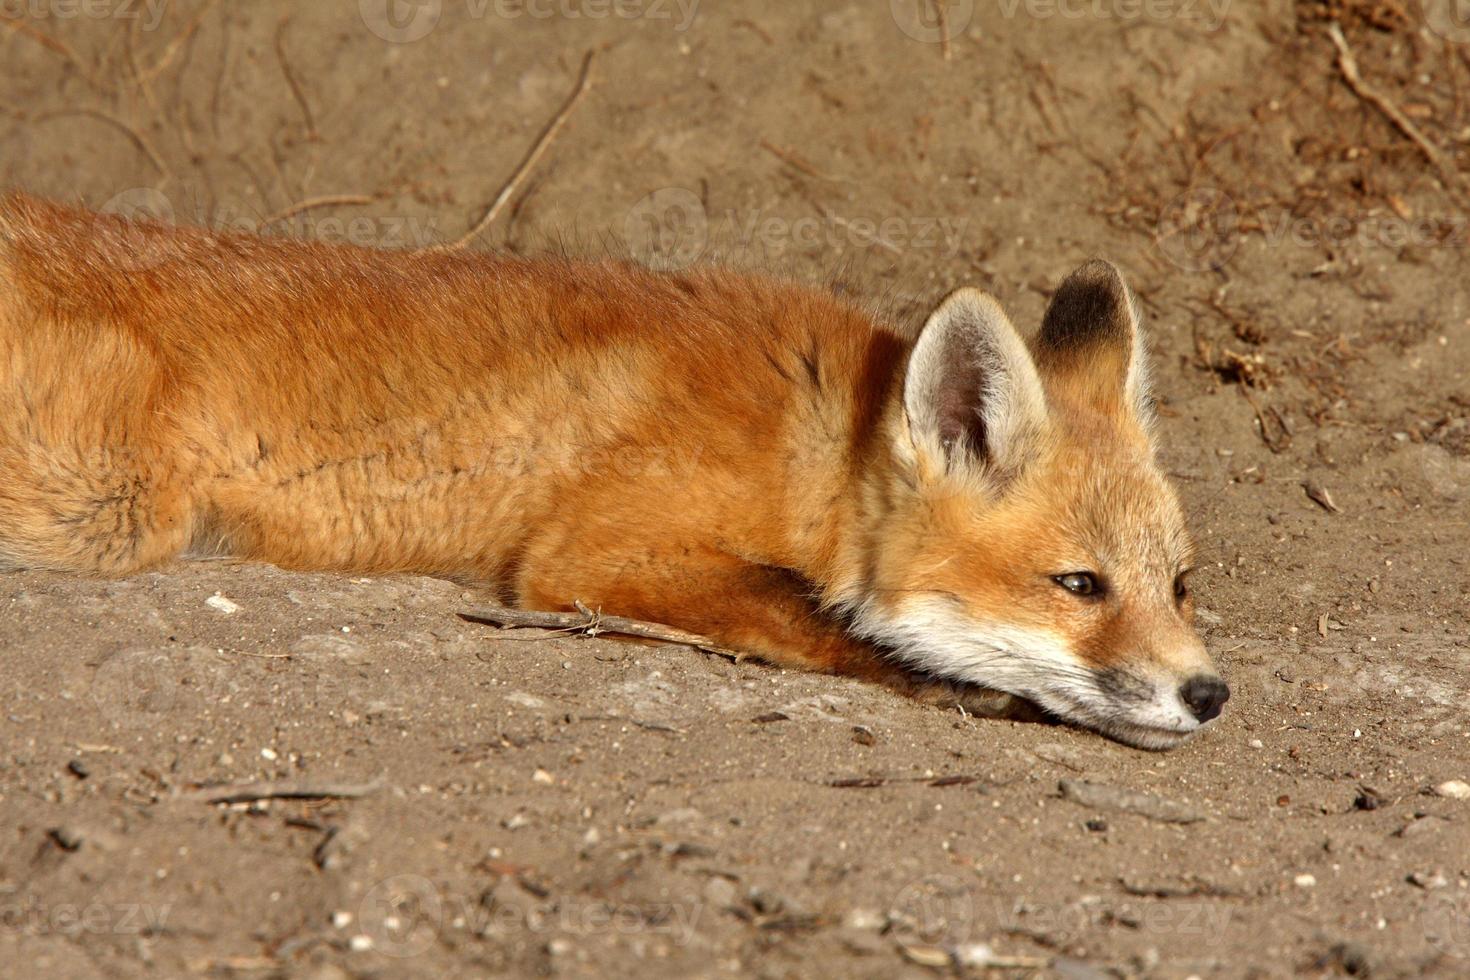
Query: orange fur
(714, 451)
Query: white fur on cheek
(938, 638)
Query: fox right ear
(971, 391)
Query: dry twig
(171, 51)
(138, 139)
(296, 92)
(15, 25)
(586, 622)
(312, 203)
(255, 792)
(1347, 63)
(584, 82)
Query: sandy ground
(532, 805)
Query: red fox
(762, 463)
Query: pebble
(341, 920)
(865, 920)
(1305, 881)
(1256, 743)
(543, 777)
(221, 604)
(1428, 880)
(1454, 789)
(360, 943)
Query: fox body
(755, 461)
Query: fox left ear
(971, 391)
(1091, 343)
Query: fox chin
(769, 465)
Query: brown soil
(557, 805)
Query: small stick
(15, 25)
(312, 203)
(172, 50)
(592, 624)
(751, 25)
(787, 156)
(873, 238)
(254, 792)
(1347, 63)
(943, 15)
(296, 92)
(133, 134)
(584, 82)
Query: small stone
(341, 920)
(78, 768)
(720, 892)
(935, 957)
(1305, 881)
(975, 956)
(269, 754)
(1454, 789)
(360, 943)
(219, 603)
(863, 735)
(1256, 743)
(1428, 880)
(517, 822)
(865, 920)
(543, 777)
(67, 838)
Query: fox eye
(1080, 583)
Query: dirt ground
(526, 805)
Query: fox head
(1028, 539)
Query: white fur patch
(933, 636)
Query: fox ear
(971, 391)
(1091, 343)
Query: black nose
(1205, 695)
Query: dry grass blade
(312, 203)
(584, 82)
(255, 792)
(589, 623)
(169, 53)
(1347, 63)
(138, 139)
